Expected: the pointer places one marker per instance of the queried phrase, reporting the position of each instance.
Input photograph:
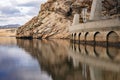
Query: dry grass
(8, 32)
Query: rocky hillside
(55, 17)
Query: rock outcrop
(56, 16)
(53, 20)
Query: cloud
(8, 10)
(15, 20)
(30, 4)
(18, 11)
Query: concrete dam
(97, 29)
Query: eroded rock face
(56, 16)
(53, 20)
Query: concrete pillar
(82, 36)
(84, 14)
(96, 10)
(76, 19)
(118, 32)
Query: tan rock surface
(54, 19)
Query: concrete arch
(89, 36)
(82, 36)
(113, 37)
(75, 36)
(101, 36)
(118, 32)
(86, 34)
(79, 36)
(97, 36)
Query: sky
(18, 11)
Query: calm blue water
(17, 64)
(56, 60)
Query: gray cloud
(30, 4)
(2, 20)
(9, 10)
(19, 11)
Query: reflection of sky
(16, 64)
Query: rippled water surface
(57, 60)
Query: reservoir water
(22, 59)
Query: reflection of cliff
(53, 52)
(53, 56)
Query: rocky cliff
(53, 19)
(56, 16)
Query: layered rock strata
(53, 19)
(56, 16)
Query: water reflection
(7, 41)
(103, 62)
(107, 53)
(66, 61)
(58, 60)
(53, 58)
(17, 64)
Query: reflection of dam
(97, 56)
(100, 60)
(65, 61)
(97, 51)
